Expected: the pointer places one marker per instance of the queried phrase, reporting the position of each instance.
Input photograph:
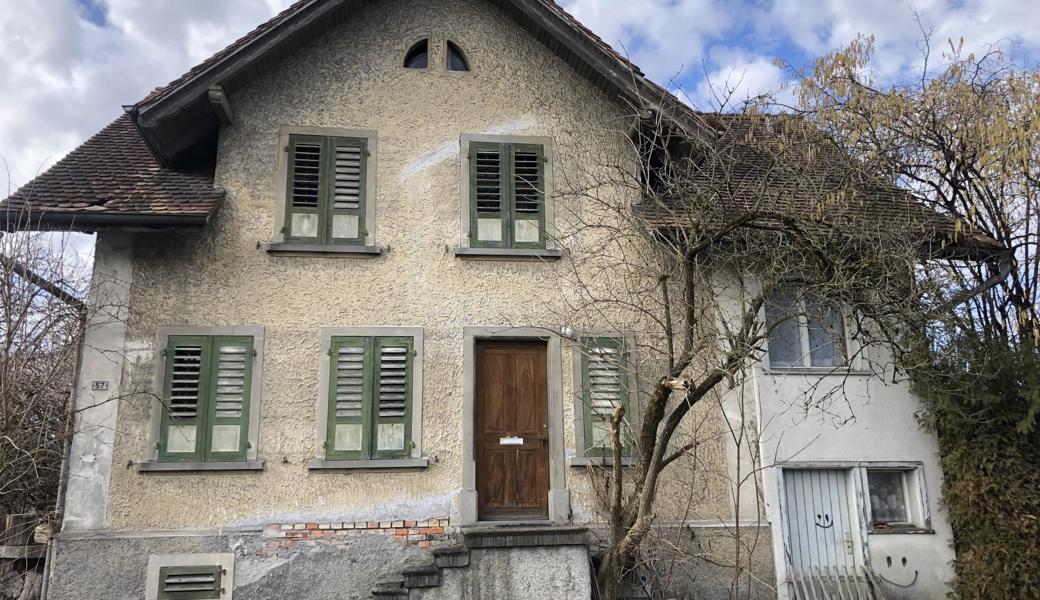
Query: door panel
(512, 427)
(820, 528)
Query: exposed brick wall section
(418, 533)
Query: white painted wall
(873, 421)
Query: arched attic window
(456, 58)
(418, 56)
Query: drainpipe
(81, 309)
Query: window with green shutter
(326, 193)
(507, 195)
(605, 386)
(191, 583)
(370, 398)
(206, 399)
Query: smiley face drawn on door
(824, 521)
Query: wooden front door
(512, 431)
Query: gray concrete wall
(554, 573)
(114, 567)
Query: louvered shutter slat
(183, 400)
(306, 175)
(350, 374)
(232, 367)
(489, 181)
(347, 193)
(605, 388)
(393, 381)
(527, 181)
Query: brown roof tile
(113, 173)
(783, 165)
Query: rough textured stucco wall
(352, 78)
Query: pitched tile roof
(112, 174)
(784, 165)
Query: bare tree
(709, 235)
(41, 323)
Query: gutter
(78, 221)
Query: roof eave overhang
(78, 221)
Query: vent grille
(231, 381)
(196, 583)
(184, 385)
(306, 184)
(348, 177)
(393, 381)
(350, 377)
(489, 181)
(527, 181)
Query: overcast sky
(69, 65)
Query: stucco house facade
(331, 333)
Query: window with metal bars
(206, 398)
(605, 386)
(507, 195)
(326, 195)
(191, 583)
(370, 398)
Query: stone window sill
(188, 467)
(599, 461)
(901, 530)
(330, 250)
(526, 254)
(816, 372)
(402, 464)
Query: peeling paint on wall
(450, 149)
(418, 509)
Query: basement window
(456, 58)
(418, 57)
(896, 502)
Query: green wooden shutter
(393, 393)
(348, 164)
(227, 433)
(191, 583)
(182, 432)
(527, 181)
(306, 193)
(349, 399)
(489, 190)
(605, 387)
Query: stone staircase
(499, 563)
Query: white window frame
(854, 361)
(919, 518)
(156, 562)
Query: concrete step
(390, 589)
(524, 536)
(451, 557)
(421, 575)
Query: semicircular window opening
(418, 56)
(456, 59)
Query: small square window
(805, 332)
(889, 500)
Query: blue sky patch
(93, 11)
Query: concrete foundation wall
(114, 568)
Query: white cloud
(739, 77)
(63, 78)
(666, 38)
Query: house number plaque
(99, 386)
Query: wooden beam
(221, 105)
